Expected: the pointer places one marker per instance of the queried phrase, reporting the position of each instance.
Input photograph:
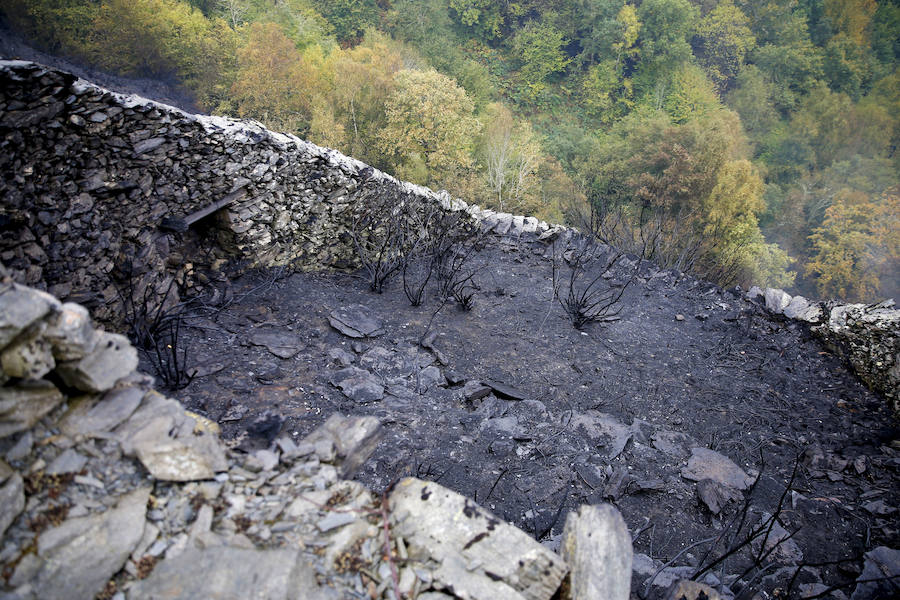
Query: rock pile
(110, 490)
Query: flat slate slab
(356, 321)
(708, 464)
(282, 344)
(225, 573)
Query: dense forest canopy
(750, 141)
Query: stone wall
(101, 188)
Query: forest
(746, 141)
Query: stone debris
(95, 413)
(614, 434)
(12, 499)
(685, 589)
(358, 385)
(777, 543)
(716, 496)
(280, 343)
(708, 464)
(112, 359)
(22, 405)
(356, 322)
(597, 547)
(353, 440)
(474, 555)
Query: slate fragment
(356, 321)
(708, 464)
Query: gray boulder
(112, 359)
(21, 406)
(76, 559)
(597, 547)
(471, 552)
(708, 464)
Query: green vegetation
(752, 141)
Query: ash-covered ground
(512, 406)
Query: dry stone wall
(99, 187)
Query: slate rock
(170, 444)
(474, 390)
(112, 359)
(282, 344)
(597, 547)
(716, 496)
(354, 440)
(356, 321)
(341, 357)
(881, 564)
(71, 333)
(685, 589)
(430, 377)
(470, 551)
(708, 464)
(21, 306)
(614, 434)
(358, 384)
(79, 557)
(69, 461)
(12, 500)
(505, 391)
(21, 406)
(777, 543)
(89, 415)
(29, 356)
(230, 573)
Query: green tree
(539, 46)
(785, 53)
(483, 16)
(430, 128)
(349, 17)
(663, 41)
(692, 95)
(724, 40)
(752, 99)
(58, 26)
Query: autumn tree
(857, 246)
(366, 78)
(276, 83)
(430, 128)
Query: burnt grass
(728, 376)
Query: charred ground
(567, 417)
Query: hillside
(740, 450)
